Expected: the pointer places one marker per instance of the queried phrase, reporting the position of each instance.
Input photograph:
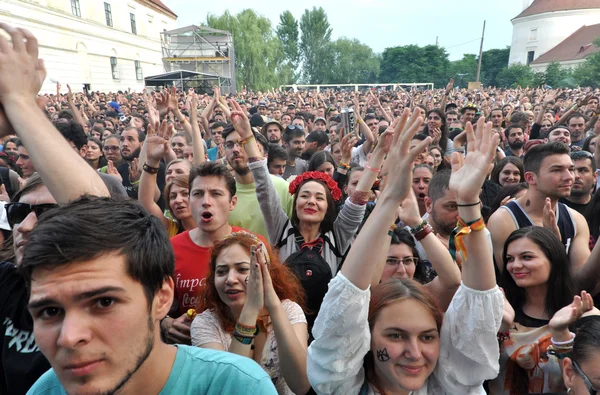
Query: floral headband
(336, 193)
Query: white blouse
(469, 351)
(206, 328)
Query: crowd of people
(177, 242)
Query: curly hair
(285, 282)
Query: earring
(569, 390)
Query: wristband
(373, 169)
(565, 344)
(465, 229)
(344, 165)
(468, 205)
(423, 233)
(246, 330)
(418, 228)
(247, 139)
(150, 169)
(243, 339)
(392, 229)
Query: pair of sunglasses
(17, 212)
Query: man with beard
(441, 207)
(97, 307)
(130, 170)
(515, 139)
(549, 173)
(559, 133)
(294, 141)
(247, 213)
(576, 124)
(272, 131)
(584, 184)
(497, 119)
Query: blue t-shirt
(197, 371)
(212, 153)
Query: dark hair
(91, 227)
(276, 151)
(511, 127)
(141, 134)
(519, 116)
(495, 177)
(218, 125)
(583, 155)
(368, 117)
(509, 190)
(576, 115)
(318, 136)
(15, 140)
(143, 119)
(350, 172)
(262, 140)
(93, 121)
(587, 341)
(180, 181)
(535, 155)
(444, 138)
(592, 217)
(33, 182)
(330, 215)
(439, 184)
(214, 169)
(101, 160)
(403, 236)
(319, 158)
(561, 287)
(586, 143)
(73, 132)
(290, 134)
(228, 130)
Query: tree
(412, 63)
(464, 70)
(588, 73)
(315, 37)
(350, 61)
(493, 61)
(287, 31)
(259, 54)
(518, 74)
(557, 76)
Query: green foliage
(350, 61)
(463, 70)
(588, 73)
(518, 74)
(315, 38)
(557, 76)
(412, 63)
(493, 61)
(287, 31)
(259, 52)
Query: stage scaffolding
(202, 50)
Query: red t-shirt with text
(191, 268)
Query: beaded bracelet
(503, 336)
(392, 229)
(246, 330)
(247, 139)
(246, 340)
(566, 344)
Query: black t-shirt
(132, 191)
(580, 208)
(21, 362)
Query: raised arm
(64, 172)
(468, 175)
(358, 267)
(73, 107)
(197, 144)
(449, 88)
(155, 148)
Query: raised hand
(408, 211)
(470, 172)
(70, 95)
(400, 159)
(255, 294)
(348, 142)
(134, 172)
(549, 218)
(450, 86)
(157, 145)
(240, 120)
(112, 170)
(270, 296)
(162, 103)
(567, 316)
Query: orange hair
(285, 282)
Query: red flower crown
(336, 193)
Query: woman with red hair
(251, 306)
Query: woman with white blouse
(393, 339)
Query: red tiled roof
(161, 5)
(542, 6)
(577, 46)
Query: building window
(138, 71)
(108, 14)
(75, 8)
(533, 34)
(132, 19)
(113, 68)
(530, 56)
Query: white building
(106, 45)
(544, 24)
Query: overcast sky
(385, 23)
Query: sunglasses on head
(17, 212)
(586, 380)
